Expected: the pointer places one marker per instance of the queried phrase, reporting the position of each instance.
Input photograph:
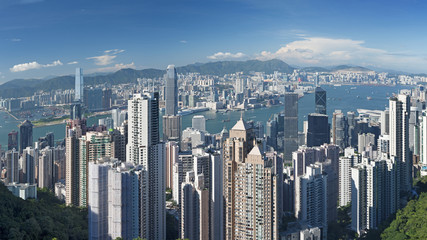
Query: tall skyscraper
(399, 138)
(320, 100)
(74, 131)
(45, 168)
(26, 132)
(318, 129)
(290, 125)
(29, 159)
(250, 212)
(339, 129)
(79, 85)
(171, 119)
(12, 140)
(145, 149)
(171, 91)
(172, 150)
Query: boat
(369, 98)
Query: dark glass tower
(290, 125)
(318, 130)
(320, 100)
(26, 132)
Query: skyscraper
(171, 91)
(318, 129)
(320, 100)
(171, 119)
(26, 132)
(399, 138)
(12, 167)
(12, 140)
(199, 122)
(339, 129)
(250, 188)
(29, 159)
(290, 125)
(144, 148)
(172, 150)
(79, 85)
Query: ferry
(369, 98)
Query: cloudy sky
(40, 38)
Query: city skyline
(41, 41)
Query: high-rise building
(171, 91)
(216, 195)
(75, 111)
(113, 200)
(79, 85)
(250, 188)
(311, 200)
(26, 132)
(144, 148)
(385, 122)
(318, 130)
(74, 131)
(290, 125)
(199, 122)
(12, 140)
(172, 128)
(399, 138)
(29, 159)
(345, 164)
(320, 100)
(172, 150)
(45, 169)
(194, 208)
(339, 129)
(271, 133)
(12, 166)
(374, 193)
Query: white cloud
(33, 65)
(72, 63)
(225, 55)
(317, 51)
(15, 39)
(183, 41)
(107, 58)
(114, 68)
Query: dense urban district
(137, 173)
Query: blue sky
(40, 38)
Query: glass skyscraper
(78, 92)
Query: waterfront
(342, 97)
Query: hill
(45, 218)
(23, 88)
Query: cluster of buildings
(242, 183)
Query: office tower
(26, 132)
(345, 165)
(12, 166)
(374, 193)
(196, 137)
(75, 111)
(271, 133)
(118, 116)
(107, 122)
(339, 129)
(171, 91)
(385, 122)
(352, 134)
(92, 146)
(12, 140)
(45, 169)
(50, 138)
(92, 98)
(320, 100)
(106, 99)
(423, 138)
(113, 200)
(194, 208)
(399, 138)
(250, 213)
(318, 129)
(290, 125)
(240, 85)
(29, 159)
(59, 164)
(311, 198)
(145, 149)
(199, 122)
(172, 150)
(216, 195)
(79, 85)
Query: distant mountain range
(27, 87)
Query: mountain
(349, 68)
(22, 88)
(226, 67)
(315, 69)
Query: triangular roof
(240, 125)
(255, 151)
